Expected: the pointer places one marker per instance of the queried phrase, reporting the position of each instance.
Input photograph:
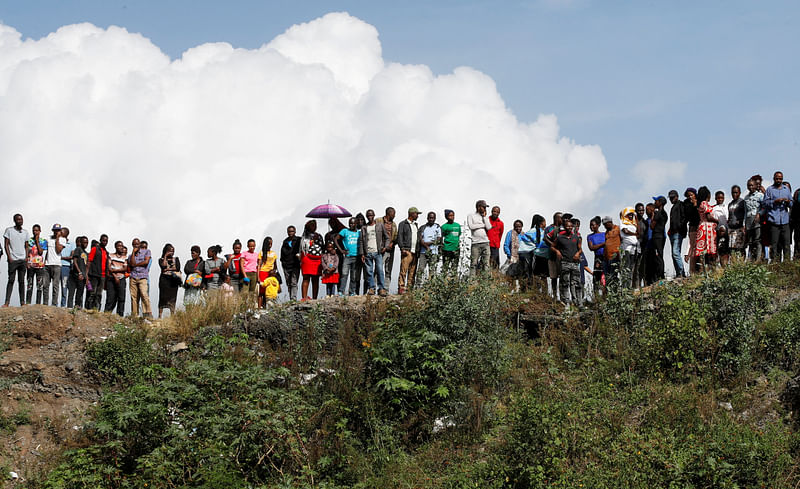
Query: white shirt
(478, 225)
(372, 238)
(52, 257)
(630, 242)
(414, 235)
(720, 212)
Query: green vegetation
(673, 387)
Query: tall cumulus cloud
(103, 132)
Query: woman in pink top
(250, 265)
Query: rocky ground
(44, 388)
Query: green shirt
(451, 234)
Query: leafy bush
(735, 302)
(445, 338)
(221, 421)
(120, 358)
(780, 338)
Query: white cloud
(100, 131)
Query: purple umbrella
(328, 210)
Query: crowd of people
(358, 258)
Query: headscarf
(624, 216)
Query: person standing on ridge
(52, 263)
(777, 204)
(495, 236)
(451, 241)
(677, 232)
(66, 264)
(97, 266)
(374, 239)
(14, 240)
(408, 242)
(290, 260)
(430, 237)
(139, 263)
(479, 226)
(387, 221)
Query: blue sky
(711, 84)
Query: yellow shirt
(271, 287)
(269, 263)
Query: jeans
(330, 289)
(140, 291)
(676, 240)
(64, 284)
(348, 282)
(426, 262)
(17, 267)
(292, 274)
(39, 276)
(374, 263)
(75, 290)
(479, 258)
(115, 296)
(408, 271)
(779, 243)
(53, 277)
(570, 283)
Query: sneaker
(371, 292)
(383, 292)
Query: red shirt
(496, 233)
(103, 259)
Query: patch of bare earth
(44, 385)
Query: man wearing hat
(677, 231)
(479, 224)
(408, 242)
(52, 265)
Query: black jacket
(677, 219)
(289, 251)
(381, 236)
(404, 236)
(691, 213)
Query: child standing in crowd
(250, 265)
(233, 264)
(330, 269)
(348, 246)
(266, 263)
(310, 255)
(270, 287)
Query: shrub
(120, 358)
(444, 338)
(780, 338)
(222, 421)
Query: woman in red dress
(311, 258)
(706, 244)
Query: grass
(215, 309)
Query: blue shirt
(66, 254)
(596, 239)
(777, 213)
(350, 241)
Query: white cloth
(54, 258)
(478, 225)
(16, 242)
(720, 212)
(630, 242)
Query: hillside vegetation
(456, 385)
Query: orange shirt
(612, 243)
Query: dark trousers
(75, 290)
(655, 267)
(494, 257)
(35, 276)
(525, 276)
(115, 295)
(779, 243)
(450, 261)
(95, 295)
(16, 267)
(291, 274)
(753, 240)
(796, 255)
